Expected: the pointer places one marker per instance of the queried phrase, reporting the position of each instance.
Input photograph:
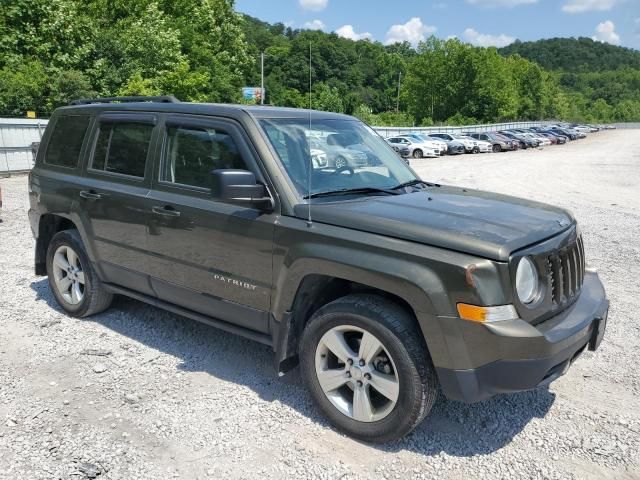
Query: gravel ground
(137, 392)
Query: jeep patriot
(383, 287)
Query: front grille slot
(565, 271)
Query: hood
(480, 223)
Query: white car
(436, 143)
(416, 148)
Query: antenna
(309, 222)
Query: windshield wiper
(348, 191)
(411, 184)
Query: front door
(205, 255)
(113, 200)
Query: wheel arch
(311, 291)
(48, 225)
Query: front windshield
(344, 154)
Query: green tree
(23, 88)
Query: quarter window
(122, 147)
(192, 152)
(66, 141)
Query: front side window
(353, 155)
(66, 141)
(192, 152)
(122, 148)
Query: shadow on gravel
(452, 428)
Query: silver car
(338, 155)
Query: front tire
(72, 279)
(366, 365)
(417, 153)
(497, 148)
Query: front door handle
(90, 195)
(167, 211)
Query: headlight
(527, 282)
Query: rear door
(113, 200)
(208, 256)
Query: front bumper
(526, 356)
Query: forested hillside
(600, 78)
(575, 54)
(52, 51)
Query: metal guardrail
(18, 135)
(17, 139)
(488, 127)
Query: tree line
(53, 51)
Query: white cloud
(315, 25)
(347, 31)
(485, 40)
(581, 6)
(606, 32)
(637, 22)
(413, 31)
(314, 5)
(501, 3)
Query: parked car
(441, 144)
(436, 144)
(513, 143)
(339, 156)
(0, 202)
(555, 139)
(454, 147)
(470, 144)
(542, 141)
(562, 139)
(417, 149)
(480, 146)
(401, 150)
(525, 142)
(571, 135)
(497, 144)
(385, 288)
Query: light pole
(262, 78)
(398, 99)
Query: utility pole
(262, 78)
(398, 99)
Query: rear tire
(417, 153)
(72, 279)
(351, 325)
(497, 148)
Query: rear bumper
(531, 356)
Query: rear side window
(66, 141)
(122, 147)
(192, 152)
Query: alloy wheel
(356, 373)
(68, 275)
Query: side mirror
(239, 186)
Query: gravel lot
(137, 392)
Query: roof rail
(140, 98)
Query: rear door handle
(90, 195)
(167, 211)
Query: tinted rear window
(122, 148)
(66, 141)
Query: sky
(480, 22)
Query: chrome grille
(566, 272)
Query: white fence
(17, 136)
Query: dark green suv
(383, 286)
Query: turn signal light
(475, 313)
